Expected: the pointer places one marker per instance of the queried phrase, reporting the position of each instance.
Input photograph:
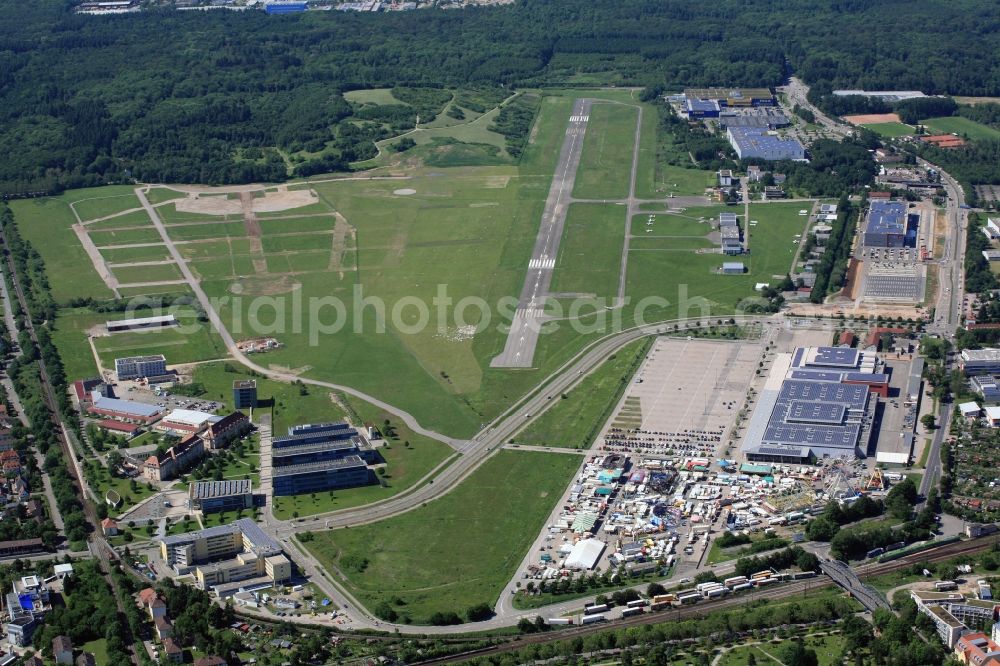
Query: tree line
(211, 96)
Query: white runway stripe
(542, 264)
(530, 313)
(579, 119)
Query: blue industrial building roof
(285, 7)
(816, 375)
(804, 411)
(701, 105)
(125, 406)
(215, 489)
(836, 356)
(886, 217)
(347, 462)
(816, 413)
(313, 428)
(755, 142)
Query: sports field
(961, 126)
(889, 130)
(456, 551)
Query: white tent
(585, 554)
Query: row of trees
(208, 97)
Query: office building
(245, 394)
(226, 554)
(981, 361)
(135, 367)
(757, 143)
(347, 472)
(219, 496)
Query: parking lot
(165, 398)
(683, 399)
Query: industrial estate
(715, 385)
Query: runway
(519, 350)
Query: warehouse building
(219, 496)
(285, 7)
(135, 367)
(757, 143)
(122, 410)
(245, 394)
(889, 225)
(701, 108)
(733, 268)
(141, 323)
(763, 118)
(815, 404)
(733, 97)
(347, 472)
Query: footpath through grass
(578, 416)
(454, 552)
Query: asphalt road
(948, 307)
(519, 350)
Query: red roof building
(847, 338)
(877, 332)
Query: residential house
(62, 650)
(109, 527)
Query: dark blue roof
(836, 356)
(887, 217)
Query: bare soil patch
(873, 118)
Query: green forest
(224, 97)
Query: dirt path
(253, 230)
(96, 259)
(341, 230)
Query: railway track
(941, 554)
(98, 546)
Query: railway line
(788, 590)
(98, 546)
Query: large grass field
(889, 130)
(47, 224)
(692, 284)
(150, 273)
(464, 232)
(104, 205)
(961, 126)
(590, 253)
(605, 165)
(576, 418)
(192, 342)
(456, 551)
